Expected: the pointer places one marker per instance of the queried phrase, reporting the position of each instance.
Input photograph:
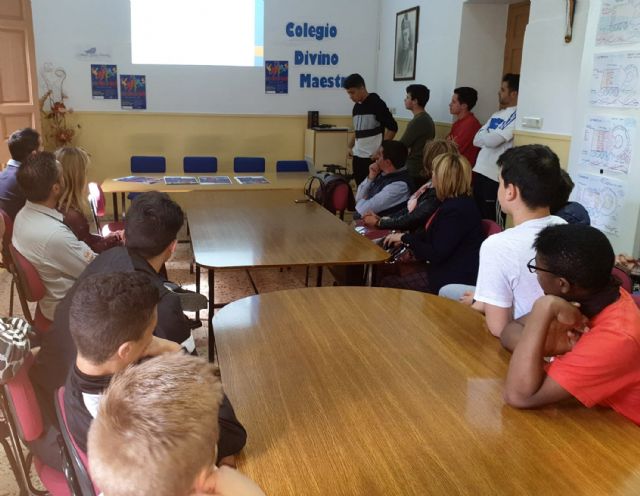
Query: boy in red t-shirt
(466, 125)
(595, 341)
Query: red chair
(30, 289)
(623, 277)
(6, 262)
(340, 198)
(97, 203)
(22, 413)
(75, 460)
(490, 227)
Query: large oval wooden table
(374, 391)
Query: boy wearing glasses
(585, 320)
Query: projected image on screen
(197, 32)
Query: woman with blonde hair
(73, 202)
(449, 243)
(423, 202)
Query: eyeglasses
(533, 268)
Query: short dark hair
(419, 92)
(512, 80)
(565, 187)
(37, 175)
(581, 254)
(534, 170)
(107, 310)
(467, 95)
(22, 143)
(353, 81)
(152, 223)
(395, 151)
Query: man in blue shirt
(21, 143)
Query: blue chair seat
(248, 164)
(292, 166)
(200, 165)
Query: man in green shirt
(419, 130)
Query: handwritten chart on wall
(603, 197)
(616, 80)
(608, 143)
(619, 22)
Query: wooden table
(246, 229)
(277, 181)
(374, 391)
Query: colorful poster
(133, 92)
(608, 143)
(603, 197)
(104, 82)
(616, 80)
(619, 22)
(276, 76)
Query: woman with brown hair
(73, 202)
(450, 242)
(423, 202)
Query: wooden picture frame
(404, 60)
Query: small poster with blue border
(104, 82)
(133, 92)
(276, 76)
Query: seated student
(596, 344)
(451, 239)
(73, 202)
(22, 143)
(388, 185)
(423, 202)
(178, 445)
(111, 319)
(40, 235)
(571, 211)
(506, 290)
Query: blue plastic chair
(292, 166)
(141, 164)
(248, 164)
(200, 165)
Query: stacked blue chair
(248, 164)
(292, 166)
(200, 165)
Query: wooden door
(18, 84)
(517, 21)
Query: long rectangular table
(248, 229)
(379, 392)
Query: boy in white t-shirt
(528, 183)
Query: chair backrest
(73, 454)
(340, 198)
(248, 164)
(141, 164)
(200, 165)
(490, 227)
(292, 166)
(7, 234)
(28, 277)
(623, 277)
(22, 404)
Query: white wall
(550, 71)
(437, 55)
(481, 53)
(62, 27)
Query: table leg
(123, 197)
(212, 339)
(114, 199)
(319, 279)
(197, 285)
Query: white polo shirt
(59, 257)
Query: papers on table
(214, 180)
(252, 179)
(138, 179)
(180, 180)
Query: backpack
(322, 186)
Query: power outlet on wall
(392, 110)
(532, 122)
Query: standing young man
(372, 122)
(466, 125)
(419, 130)
(494, 138)
(22, 143)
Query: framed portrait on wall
(404, 61)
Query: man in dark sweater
(22, 143)
(419, 130)
(372, 122)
